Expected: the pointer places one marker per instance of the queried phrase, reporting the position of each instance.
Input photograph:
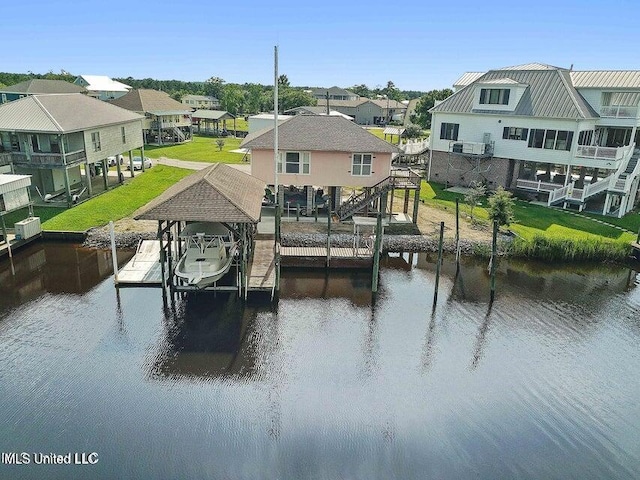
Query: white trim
(361, 164)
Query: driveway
(174, 162)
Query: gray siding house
(59, 140)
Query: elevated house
(328, 153)
(166, 121)
(37, 86)
(564, 137)
(60, 139)
(366, 111)
(201, 102)
(102, 87)
(334, 93)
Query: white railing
(559, 193)
(601, 153)
(413, 147)
(619, 111)
(537, 185)
(599, 186)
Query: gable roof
(467, 78)
(102, 83)
(319, 133)
(550, 94)
(218, 193)
(382, 103)
(61, 113)
(39, 85)
(204, 98)
(151, 101)
(532, 66)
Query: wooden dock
(144, 269)
(336, 252)
(262, 269)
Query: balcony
(47, 159)
(603, 153)
(536, 185)
(471, 148)
(619, 111)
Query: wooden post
(5, 235)
(278, 215)
(440, 242)
(457, 231)
(638, 239)
(119, 169)
(105, 179)
(416, 204)
(297, 212)
(67, 187)
(492, 266)
(142, 157)
(376, 253)
(391, 203)
(87, 173)
(329, 232)
(162, 269)
(113, 252)
(405, 208)
(131, 164)
(315, 212)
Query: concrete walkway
(174, 162)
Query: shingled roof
(61, 113)
(550, 94)
(152, 101)
(218, 193)
(319, 133)
(39, 85)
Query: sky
(419, 45)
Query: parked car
(137, 163)
(111, 161)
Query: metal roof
(500, 81)
(532, 66)
(218, 193)
(319, 133)
(38, 85)
(213, 114)
(606, 79)
(200, 97)
(467, 78)
(102, 83)
(148, 100)
(9, 183)
(61, 113)
(549, 94)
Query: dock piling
(457, 232)
(376, 253)
(112, 234)
(440, 242)
(492, 265)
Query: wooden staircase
(399, 179)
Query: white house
(102, 87)
(200, 102)
(565, 137)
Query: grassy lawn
(535, 219)
(200, 149)
(45, 213)
(378, 133)
(117, 203)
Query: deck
(144, 269)
(336, 252)
(262, 269)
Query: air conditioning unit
(486, 137)
(473, 148)
(27, 228)
(457, 148)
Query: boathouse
(221, 194)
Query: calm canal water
(543, 385)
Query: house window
(124, 135)
(515, 133)
(95, 140)
(494, 96)
(550, 139)
(54, 142)
(294, 162)
(449, 131)
(361, 164)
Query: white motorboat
(210, 250)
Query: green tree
(476, 193)
(392, 92)
(361, 90)
(422, 116)
(293, 97)
(232, 98)
(412, 131)
(501, 207)
(178, 94)
(220, 143)
(283, 81)
(213, 87)
(252, 97)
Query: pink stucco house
(322, 151)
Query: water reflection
(54, 268)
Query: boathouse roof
(218, 193)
